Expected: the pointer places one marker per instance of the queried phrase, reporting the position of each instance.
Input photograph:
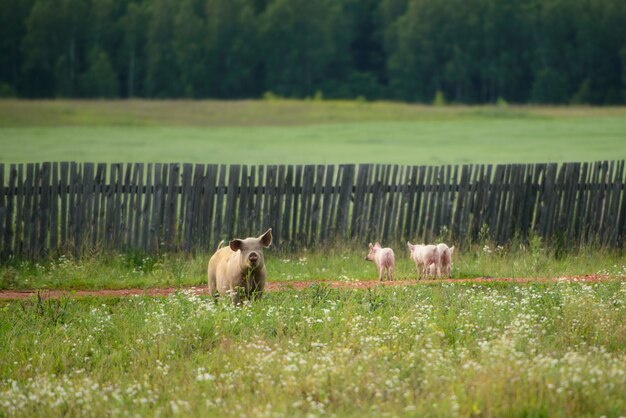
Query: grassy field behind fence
(299, 132)
(445, 350)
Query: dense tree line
(471, 51)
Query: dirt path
(298, 285)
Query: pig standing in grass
(384, 259)
(426, 256)
(445, 259)
(238, 269)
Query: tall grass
(444, 350)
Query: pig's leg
(381, 269)
(237, 293)
(390, 273)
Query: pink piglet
(384, 259)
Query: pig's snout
(253, 257)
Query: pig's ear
(235, 245)
(451, 250)
(408, 243)
(371, 246)
(266, 238)
(377, 244)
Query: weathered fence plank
(27, 224)
(326, 205)
(219, 206)
(208, 206)
(231, 199)
(242, 210)
(250, 220)
(396, 222)
(616, 196)
(156, 223)
(3, 211)
(171, 207)
(8, 235)
(145, 210)
(319, 184)
(275, 193)
(138, 205)
(411, 189)
(429, 204)
(258, 204)
(87, 197)
(99, 204)
(359, 201)
(117, 205)
(127, 212)
(307, 185)
(45, 210)
(345, 193)
(288, 196)
(277, 204)
(388, 209)
(186, 206)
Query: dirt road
(298, 285)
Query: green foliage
(553, 51)
(502, 103)
(161, 51)
(439, 99)
(190, 54)
(306, 44)
(318, 96)
(270, 96)
(100, 79)
(234, 68)
(6, 90)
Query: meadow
(443, 350)
(298, 132)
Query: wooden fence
(52, 208)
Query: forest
(454, 51)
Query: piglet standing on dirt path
(445, 259)
(238, 269)
(426, 256)
(384, 259)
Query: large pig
(238, 269)
(426, 256)
(384, 259)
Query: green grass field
(449, 350)
(291, 132)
